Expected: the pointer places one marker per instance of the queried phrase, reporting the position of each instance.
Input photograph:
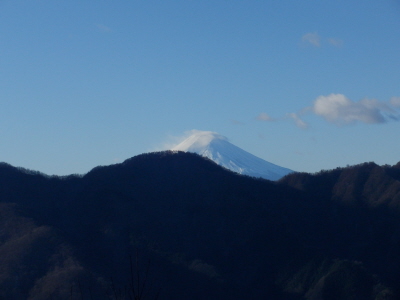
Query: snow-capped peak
(198, 141)
(217, 148)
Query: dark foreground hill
(177, 226)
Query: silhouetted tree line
(208, 232)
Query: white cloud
(264, 117)
(297, 120)
(312, 38)
(338, 109)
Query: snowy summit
(217, 148)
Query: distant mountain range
(175, 225)
(217, 148)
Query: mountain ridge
(208, 233)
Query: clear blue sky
(307, 85)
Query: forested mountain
(177, 226)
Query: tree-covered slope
(201, 231)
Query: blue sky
(307, 85)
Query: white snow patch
(217, 148)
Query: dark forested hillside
(189, 229)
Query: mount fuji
(217, 148)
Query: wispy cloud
(173, 140)
(297, 120)
(315, 40)
(103, 28)
(264, 117)
(335, 42)
(170, 141)
(338, 109)
(236, 122)
(312, 38)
